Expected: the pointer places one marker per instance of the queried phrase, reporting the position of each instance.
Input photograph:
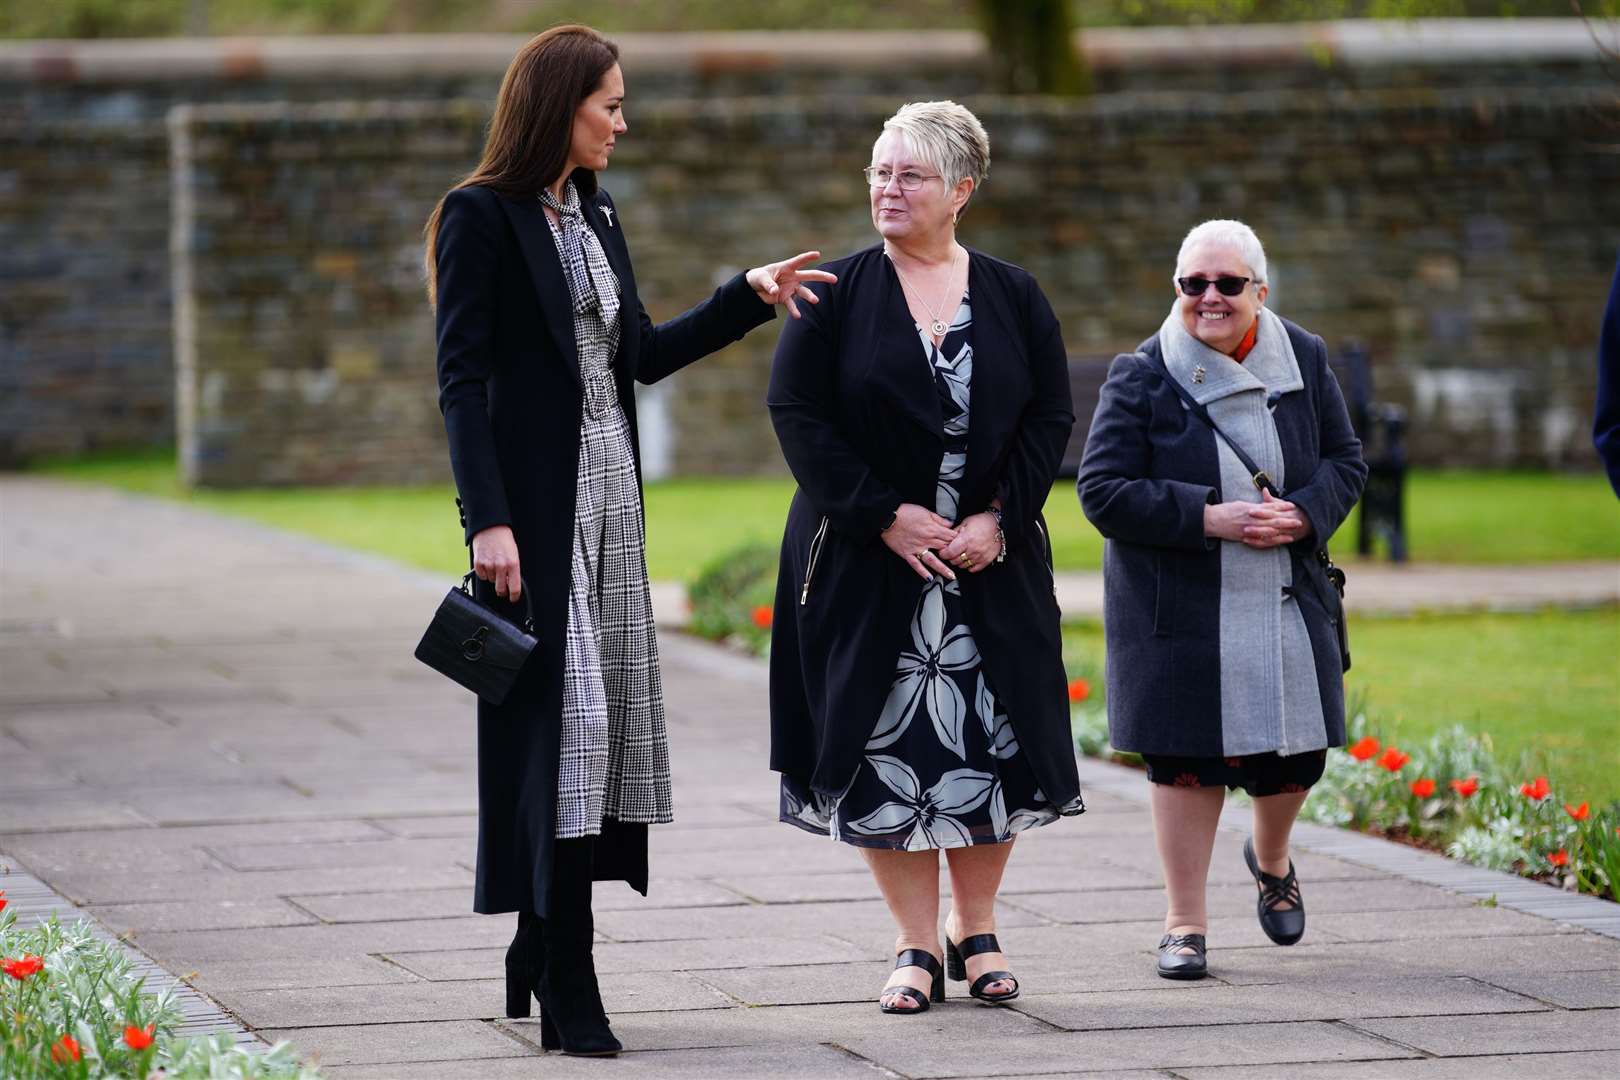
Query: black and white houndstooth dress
(614, 758)
(942, 767)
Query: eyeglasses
(1226, 286)
(909, 180)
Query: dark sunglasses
(1226, 286)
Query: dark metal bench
(1382, 429)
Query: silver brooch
(1198, 373)
(607, 212)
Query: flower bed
(71, 1008)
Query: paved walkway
(1374, 589)
(215, 737)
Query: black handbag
(1327, 580)
(475, 645)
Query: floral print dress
(942, 767)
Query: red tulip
(1079, 690)
(1559, 858)
(1466, 788)
(1393, 759)
(1423, 788)
(1364, 749)
(22, 969)
(762, 616)
(1579, 813)
(139, 1038)
(65, 1050)
(1536, 791)
(2, 899)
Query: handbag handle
(528, 599)
(467, 582)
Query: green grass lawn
(1457, 517)
(1545, 686)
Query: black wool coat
(510, 391)
(1149, 469)
(854, 405)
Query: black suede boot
(570, 1000)
(524, 959)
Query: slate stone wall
(1464, 229)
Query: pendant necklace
(937, 326)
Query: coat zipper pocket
(1051, 570)
(817, 542)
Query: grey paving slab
(1155, 1048)
(614, 957)
(449, 1040)
(1316, 999)
(201, 915)
(1578, 1065)
(214, 883)
(1567, 989)
(189, 948)
(853, 917)
(1460, 1036)
(277, 973)
(1479, 957)
(739, 1062)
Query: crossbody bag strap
(1262, 481)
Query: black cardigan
(858, 418)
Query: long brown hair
(532, 129)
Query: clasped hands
(1270, 523)
(931, 545)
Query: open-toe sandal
(956, 954)
(924, 959)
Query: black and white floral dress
(942, 768)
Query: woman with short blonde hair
(918, 698)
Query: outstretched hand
(781, 282)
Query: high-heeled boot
(524, 959)
(570, 999)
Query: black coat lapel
(900, 366)
(596, 212)
(995, 364)
(528, 218)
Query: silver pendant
(1198, 373)
(938, 328)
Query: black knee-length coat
(510, 391)
(853, 401)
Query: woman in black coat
(541, 338)
(1222, 626)
(917, 686)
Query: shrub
(72, 1007)
(732, 598)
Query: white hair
(946, 136)
(1226, 233)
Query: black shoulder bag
(475, 646)
(1326, 579)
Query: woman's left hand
(976, 545)
(780, 282)
(1275, 522)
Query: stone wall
(1452, 201)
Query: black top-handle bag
(476, 646)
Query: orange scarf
(1247, 344)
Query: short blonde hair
(948, 137)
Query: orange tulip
(1535, 791)
(1579, 813)
(139, 1038)
(1364, 749)
(1393, 759)
(1079, 690)
(1423, 787)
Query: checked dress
(943, 767)
(614, 755)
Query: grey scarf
(1269, 697)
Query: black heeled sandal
(1175, 964)
(956, 954)
(1285, 926)
(915, 958)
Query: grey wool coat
(1216, 649)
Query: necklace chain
(937, 326)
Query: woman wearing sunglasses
(1224, 666)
